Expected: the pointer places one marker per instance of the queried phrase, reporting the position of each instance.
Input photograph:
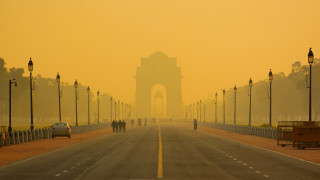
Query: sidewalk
(11, 154)
(312, 155)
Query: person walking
(124, 126)
(120, 125)
(113, 125)
(117, 126)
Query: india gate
(160, 72)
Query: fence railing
(266, 132)
(18, 137)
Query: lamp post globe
(58, 78)
(310, 56)
(270, 75)
(76, 84)
(30, 65)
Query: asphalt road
(185, 155)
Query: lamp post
(30, 68)
(224, 106)
(115, 110)
(122, 111)
(216, 111)
(59, 91)
(119, 109)
(88, 91)
(76, 95)
(270, 79)
(98, 94)
(15, 84)
(235, 104)
(200, 110)
(111, 108)
(204, 112)
(197, 110)
(310, 61)
(193, 111)
(250, 85)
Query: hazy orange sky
(217, 43)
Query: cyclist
(195, 124)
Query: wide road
(182, 154)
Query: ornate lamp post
(76, 93)
(310, 61)
(58, 81)
(235, 104)
(88, 91)
(30, 68)
(250, 85)
(98, 94)
(115, 110)
(15, 84)
(216, 110)
(224, 106)
(270, 79)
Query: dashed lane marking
(251, 167)
(58, 175)
(266, 176)
(72, 168)
(65, 171)
(258, 172)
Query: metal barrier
(300, 134)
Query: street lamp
(76, 87)
(30, 68)
(250, 85)
(193, 111)
(111, 108)
(15, 84)
(270, 79)
(115, 110)
(216, 112)
(310, 61)
(88, 91)
(58, 81)
(98, 94)
(235, 104)
(200, 110)
(224, 106)
(197, 110)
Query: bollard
(41, 133)
(17, 137)
(33, 133)
(21, 136)
(25, 134)
(7, 139)
(12, 138)
(29, 135)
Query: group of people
(118, 126)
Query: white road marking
(258, 172)
(78, 164)
(65, 171)
(239, 162)
(230, 156)
(83, 161)
(234, 159)
(265, 176)
(72, 168)
(244, 164)
(251, 167)
(58, 174)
